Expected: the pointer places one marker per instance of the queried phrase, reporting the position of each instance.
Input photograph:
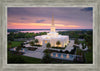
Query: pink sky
(41, 18)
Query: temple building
(52, 37)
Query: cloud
(23, 18)
(43, 15)
(39, 21)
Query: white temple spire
(52, 25)
(52, 20)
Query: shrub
(32, 49)
(48, 45)
(58, 43)
(31, 43)
(46, 58)
(61, 51)
(36, 41)
(66, 51)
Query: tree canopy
(36, 41)
(48, 45)
(58, 43)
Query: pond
(22, 49)
(63, 56)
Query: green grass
(78, 51)
(26, 60)
(88, 54)
(89, 57)
(81, 41)
(15, 43)
(31, 59)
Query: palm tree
(58, 43)
(36, 41)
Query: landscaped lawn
(15, 43)
(81, 41)
(12, 58)
(89, 57)
(31, 59)
(78, 51)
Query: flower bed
(32, 49)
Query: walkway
(38, 53)
(69, 46)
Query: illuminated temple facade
(52, 37)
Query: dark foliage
(46, 58)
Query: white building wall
(64, 40)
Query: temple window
(45, 41)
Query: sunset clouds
(41, 17)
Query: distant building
(52, 37)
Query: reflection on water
(51, 54)
(56, 55)
(67, 55)
(62, 55)
(37, 31)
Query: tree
(88, 40)
(32, 43)
(11, 36)
(48, 45)
(9, 43)
(46, 58)
(22, 45)
(76, 41)
(58, 43)
(18, 48)
(36, 41)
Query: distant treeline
(87, 35)
(77, 34)
(72, 34)
(17, 30)
(14, 35)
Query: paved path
(80, 46)
(69, 46)
(38, 53)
